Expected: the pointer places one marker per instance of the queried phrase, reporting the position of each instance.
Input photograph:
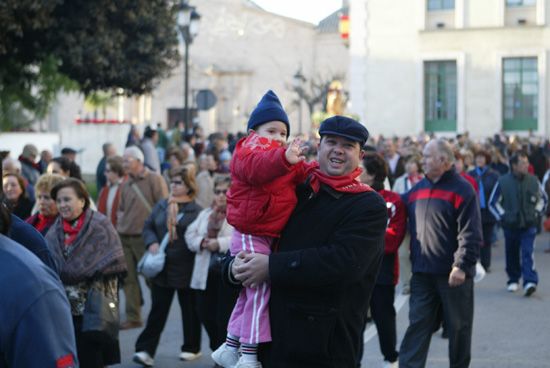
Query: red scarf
(415, 178)
(344, 183)
(43, 222)
(72, 228)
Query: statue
(335, 99)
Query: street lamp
(188, 24)
(298, 81)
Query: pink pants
(250, 318)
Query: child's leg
(235, 321)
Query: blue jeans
(428, 294)
(520, 240)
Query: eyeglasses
(220, 191)
(176, 182)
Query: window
(516, 3)
(520, 81)
(440, 96)
(441, 5)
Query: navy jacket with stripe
(445, 225)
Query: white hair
(13, 162)
(445, 150)
(134, 152)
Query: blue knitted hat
(268, 109)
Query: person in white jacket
(209, 236)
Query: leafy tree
(52, 45)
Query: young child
(262, 196)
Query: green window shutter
(440, 96)
(520, 94)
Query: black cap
(343, 126)
(68, 151)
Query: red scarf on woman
(72, 228)
(344, 183)
(43, 222)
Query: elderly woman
(169, 219)
(210, 237)
(47, 210)
(90, 256)
(14, 189)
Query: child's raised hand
(294, 152)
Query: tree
(100, 45)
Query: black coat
(322, 277)
(179, 262)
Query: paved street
(509, 329)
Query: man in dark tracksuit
(445, 227)
(517, 201)
(324, 270)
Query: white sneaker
(143, 358)
(480, 273)
(390, 364)
(225, 356)
(188, 356)
(243, 364)
(512, 287)
(529, 289)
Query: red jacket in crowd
(395, 232)
(262, 194)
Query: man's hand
(153, 248)
(251, 268)
(294, 152)
(456, 277)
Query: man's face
(522, 167)
(338, 155)
(111, 151)
(432, 162)
(389, 148)
(131, 165)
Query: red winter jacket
(395, 232)
(262, 194)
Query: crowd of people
(320, 229)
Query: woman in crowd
(109, 196)
(412, 175)
(460, 170)
(16, 196)
(175, 157)
(486, 179)
(47, 209)
(381, 304)
(170, 218)
(90, 255)
(64, 167)
(209, 236)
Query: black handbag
(216, 261)
(100, 320)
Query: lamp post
(298, 81)
(188, 24)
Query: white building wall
(390, 42)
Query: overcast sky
(308, 10)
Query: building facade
(240, 52)
(450, 66)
